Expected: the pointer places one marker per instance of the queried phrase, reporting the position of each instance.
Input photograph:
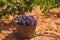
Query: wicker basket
(25, 31)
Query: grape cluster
(25, 20)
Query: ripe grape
(31, 16)
(20, 18)
(25, 20)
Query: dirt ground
(47, 28)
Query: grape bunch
(25, 20)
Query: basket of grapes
(25, 25)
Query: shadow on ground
(9, 31)
(13, 36)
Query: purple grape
(20, 18)
(24, 17)
(25, 20)
(31, 16)
(34, 22)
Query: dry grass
(47, 28)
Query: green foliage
(25, 5)
(48, 4)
